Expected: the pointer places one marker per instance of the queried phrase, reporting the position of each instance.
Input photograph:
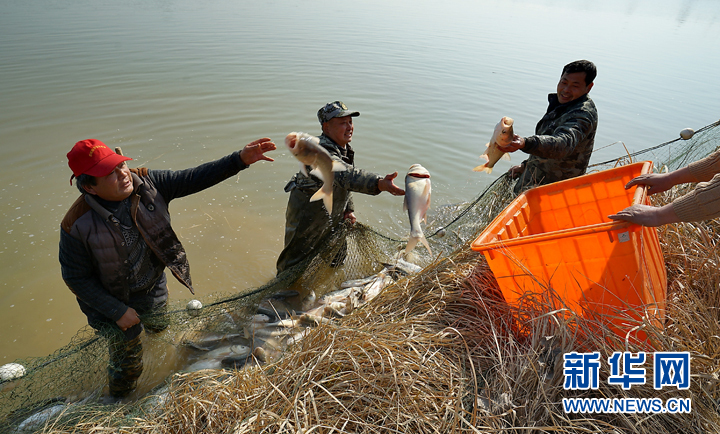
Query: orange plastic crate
(558, 235)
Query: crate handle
(641, 189)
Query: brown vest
(99, 231)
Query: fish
(373, 289)
(357, 282)
(209, 341)
(307, 150)
(283, 323)
(214, 359)
(232, 350)
(282, 295)
(297, 337)
(310, 320)
(40, 419)
(309, 300)
(339, 295)
(260, 318)
(203, 364)
(401, 268)
(416, 203)
(502, 136)
(331, 310)
(236, 361)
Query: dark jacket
(307, 223)
(93, 255)
(562, 144)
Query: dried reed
(443, 353)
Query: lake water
(180, 82)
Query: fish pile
(502, 136)
(306, 148)
(275, 326)
(417, 203)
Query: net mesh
(77, 373)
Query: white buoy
(11, 371)
(687, 133)
(193, 307)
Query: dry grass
(442, 353)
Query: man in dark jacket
(308, 223)
(564, 137)
(116, 241)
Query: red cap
(93, 157)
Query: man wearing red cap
(116, 241)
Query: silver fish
(502, 135)
(39, 419)
(310, 320)
(339, 295)
(204, 364)
(232, 350)
(214, 359)
(307, 149)
(403, 266)
(417, 203)
(357, 282)
(283, 323)
(297, 337)
(209, 341)
(309, 300)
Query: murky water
(179, 82)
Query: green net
(73, 380)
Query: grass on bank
(442, 353)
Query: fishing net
(77, 373)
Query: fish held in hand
(307, 150)
(502, 136)
(417, 203)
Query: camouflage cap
(334, 109)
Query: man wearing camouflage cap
(307, 223)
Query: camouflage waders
(125, 365)
(308, 223)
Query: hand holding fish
(387, 184)
(516, 143)
(501, 137)
(255, 151)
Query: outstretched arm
(255, 151)
(387, 184)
